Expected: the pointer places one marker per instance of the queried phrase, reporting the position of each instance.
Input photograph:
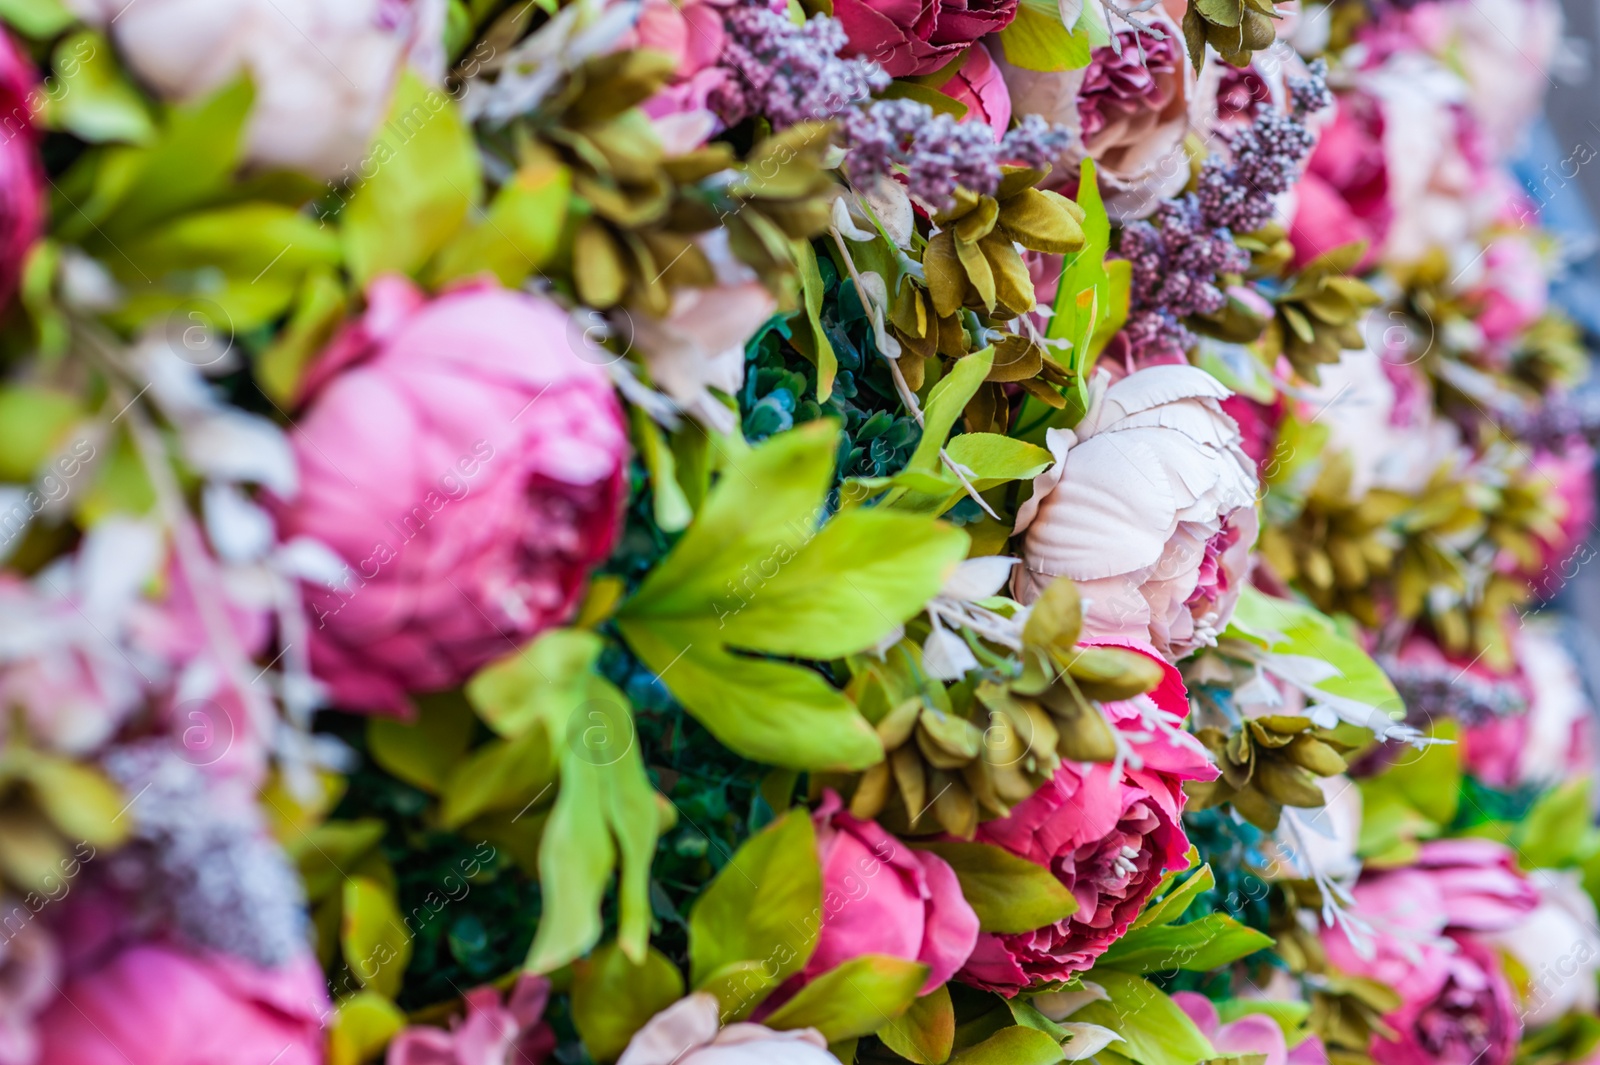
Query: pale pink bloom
(1254, 1033)
(1150, 507)
(1559, 948)
(689, 1032)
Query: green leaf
(363, 1025)
(995, 459)
(422, 752)
(812, 341)
(670, 506)
(1017, 1045)
(81, 801)
(1288, 627)
(752, 575)
(40, 19)
(924, 94)
(540, 685)
(1199, 946)
(318, 311)
(192, 160)
(424, 181)
(1175, 902)
(1557, 826)
(1008, 893)
(945, 404)
(1084, 296)
(519, 232)
(1290, 1016)
(376, 945)
(500, 775)
(34, 423)
(612, 997)
(325, 851)
(925, 1034)
(1154, 1029)
(91, 98)
(1038, 40)
(756, 924)
(853, 999)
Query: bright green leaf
(1295, 628)
(1084, 296)
(424, 181)
(1556, 827)
(1009, 894)
(1038, 40)
(756, 923)
(318, 311)
(995, 459)
(812, 340)
(518, 233)
(422, 752)
(41, 19)
(854, 999)
(612, 997)
(925, 1034)
(34, 422)
(362, 1026)
(1017, 1045)
(1209, 943)
(1154, 1029)
(1175, 902)
(90, 97)
(376, 945)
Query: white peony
(1558, 946)
(1150, 507)
(323, 70)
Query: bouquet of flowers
(668, 532)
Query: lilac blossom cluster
(789, 73)
(935, 153)
(1182, 251)
(1434, 692)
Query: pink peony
(1553, 738)
(908, 37)
(1254, 1033)
(156, 1005)
(694, 35)
(1131, 111)
(1456, 1004)
(980, 87)
(469, 467)
(1343, 196)
(1558, 946)
(1150, 507)
(1108, 838)
(1514, 290)
(916, 911)
(1258, 428)
(21, 175)
(492, 1033)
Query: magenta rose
(1107, 838)
(979, 86)
(880, 896)
(1456, 1005)
(908, 37)
(468, 467)
(153, 1004)
(1343, 196)
(21, 176)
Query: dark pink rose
(979, 85)
(908, 37)
(1456, 1004)
(880, 896)
(21, 175)
(1344, 194)
(156, 1005)
(1254, 1033)
(1107, 838)
(492, 1032)
(468, 466)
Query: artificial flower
(1254, 1033)
(689, 1032)
(879, 896)
(493, 1032)
(323, 70)
(1150, 507)
(30, 968)
(981, 89)
(906, 37)
(22, 207)
(480, 531)
(1108, 831)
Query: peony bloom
(1456, 1003)
(1552, 739)
(492, 1033)
(694, 35)
(469, 468)
(156, 1005)
(908, 37)
(21, 175)
(1254, 1033)
(1514, 290)
(323, 70)
(1108, 837)
(881, 897)
(687, 1033)
(1150, 507)
(1130, 111)
(980, 86)
(1343, 197)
